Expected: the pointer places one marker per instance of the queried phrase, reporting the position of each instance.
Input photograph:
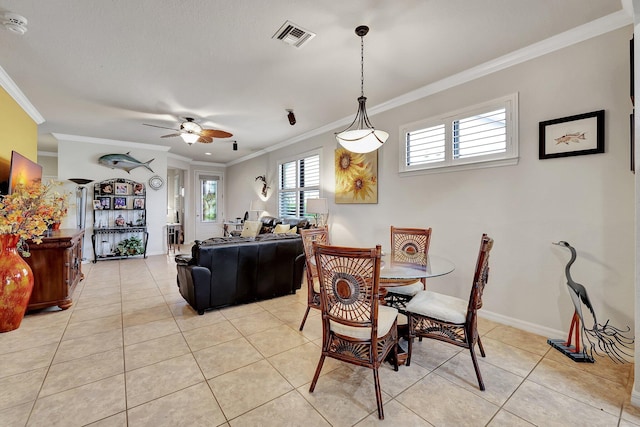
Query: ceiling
(101, 69)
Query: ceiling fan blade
(214, 133)
(170, 135)
(205, 139)
(161, 127)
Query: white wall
(78, 158)
(585, 200)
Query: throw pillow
(251, 228)
(281, 228)
(293, 230)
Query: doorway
(208, 207)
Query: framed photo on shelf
(106, 188)
(138, 189)
(138, 203)
(97, 205)
(105, 202)
(122, 188)
(119, 203)
(572, 136)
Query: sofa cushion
(293, 230)
(251, 228)
(282, 228)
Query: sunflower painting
(356, 177)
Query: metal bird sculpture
(263, 179)
(599, 339)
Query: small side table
(174, 237)
(225, 225)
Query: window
(209, 198)
(479, 136)
(299, 180)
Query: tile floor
(131, 352)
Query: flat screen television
(23, 171)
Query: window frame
(300, 212)
(218, 199)
(450, 164)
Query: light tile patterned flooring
(131, 352)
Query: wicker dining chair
(408, 241)
(355, 327)
(450, 319)
(320, 235)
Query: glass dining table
(401, 266)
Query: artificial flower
(29, 210)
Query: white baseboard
(521, 324)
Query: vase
(55, 226)
(16, 283)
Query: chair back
(310, 235)
(411, 245)
(480, 278)
(349, 282)
(410, 240)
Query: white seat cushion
(408, 290)
(386, 316)
(316, 285)
(439, 306)
(402, 319)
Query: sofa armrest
(300, 263)
(194, 283)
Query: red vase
(16, 283)
(55, 226)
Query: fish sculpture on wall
(123, 161)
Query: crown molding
(14, 91)
(92, 140)
(611, 22)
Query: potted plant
(131, 246)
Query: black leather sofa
(226, 271)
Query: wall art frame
(356, 177)
(572, 136)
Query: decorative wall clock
(156, 182)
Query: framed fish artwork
(572, 136)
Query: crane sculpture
(599, 339)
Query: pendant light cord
(361, 65)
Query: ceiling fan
(191, 132)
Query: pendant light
(360, 136)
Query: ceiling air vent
(293, 35)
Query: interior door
(208, 205)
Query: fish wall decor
(123, 161)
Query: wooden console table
(57, 268)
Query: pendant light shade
(360, 136)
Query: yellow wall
(18, 132)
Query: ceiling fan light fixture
(360, 136)
(189, 137)
(190, 126)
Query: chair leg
(409, 349)
(395, 357)
(304, 319)
(481, 347)
(376, 380)
(317, 374)
(476, 367)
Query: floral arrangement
(29, 210)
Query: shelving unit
(119, 219)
